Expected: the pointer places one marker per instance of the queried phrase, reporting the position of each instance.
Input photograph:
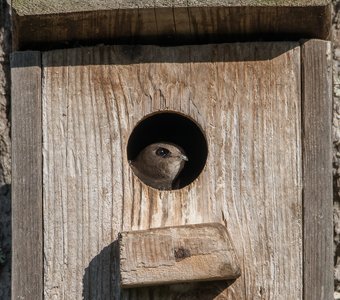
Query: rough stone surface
(336, 143)
(5, 159)
(5, 171)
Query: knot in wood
(181, 253)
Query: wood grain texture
(165, 22)
(246, 98)
(317, 172)
(177, 254)
(27, 232)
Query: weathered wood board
(246, 98)
(178, 254)
(317, 173)
(165, 22)
(27, 219)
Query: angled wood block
(46, 23)
(170, 255)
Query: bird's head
(167, 158)
(161, 161)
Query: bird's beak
(184, 157)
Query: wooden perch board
(47, 23)
(170, 255)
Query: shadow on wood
(186, 291)
(101, 277)
(138, 54)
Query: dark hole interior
(175, 128)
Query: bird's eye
(162, 152)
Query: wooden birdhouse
(243, 87)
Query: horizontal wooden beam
(179, 254)
(41, 24)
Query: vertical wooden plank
(83, 156)
(27, 243)
(317, 175)
(246, 98)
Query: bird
(159, 164)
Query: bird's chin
(174, 170)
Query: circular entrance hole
(174, 128)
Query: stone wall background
(336, 143)
(5, 159)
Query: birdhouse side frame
(27, 265)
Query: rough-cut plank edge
(43, 7)
(27, 240)
(161, 23)
(177, 254)
(317, 172)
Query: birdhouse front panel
(234, 111)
